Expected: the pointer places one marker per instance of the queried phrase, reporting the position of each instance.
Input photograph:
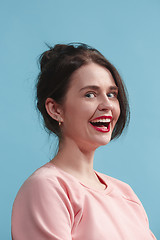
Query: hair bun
(45, 58)
(57, 51)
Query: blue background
(128, 34)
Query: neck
(74, 159)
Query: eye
(90, 95)
(112, 95)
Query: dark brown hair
(57, 65)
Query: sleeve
(147, 221)
(42, 211)
(134, 197)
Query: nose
(105, 104)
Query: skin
(83, 104)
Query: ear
(54, 109)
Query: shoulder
(45, 200)
(47, 183)
(49, 175)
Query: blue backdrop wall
(128, 34)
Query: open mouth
(102, 125)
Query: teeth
(102, 120)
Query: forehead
(92, 74)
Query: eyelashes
(90, 95)
(112, 94)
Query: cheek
(117, 111)
(78, 110)
(75, 114)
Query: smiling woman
(94, 104)
(83, 100)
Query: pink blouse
(54, 205)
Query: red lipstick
(101, 126)
(101, 129)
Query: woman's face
(91, 108)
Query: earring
(59, 123)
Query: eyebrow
(94, 87)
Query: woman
(83, 101)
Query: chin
(101, 141)
(101, 138)
(105, 142)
